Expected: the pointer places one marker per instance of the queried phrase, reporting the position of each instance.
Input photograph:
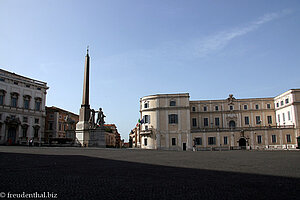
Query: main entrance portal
(242, 143)
(11, 136)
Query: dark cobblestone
(83, 177)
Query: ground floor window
(259, 139)
(145, 141)
(24, 132)
(211, 140)
(273, 138)
(36, 132)
(288, 138)
(198, 141)
(225, 140)
(173, 141)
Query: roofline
(56, 108)
(167, 95)
(26, 78)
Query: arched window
(232, 124)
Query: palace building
(22, 109)
(174, 122)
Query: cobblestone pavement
(76, 173)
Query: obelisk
(82, 127)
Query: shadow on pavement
(82, 177)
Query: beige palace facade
(174, 122)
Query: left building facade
(22, 109)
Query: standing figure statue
(100, 119)
(92, 119)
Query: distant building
(173, 121)
(22, 109)
(112, 136)
(59, 123)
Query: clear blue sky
(141, 47)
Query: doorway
(184, 146)
(11, 136)
(242, 143)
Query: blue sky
(141, 47)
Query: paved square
(78, 173)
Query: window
(245, 107)
(268, 106)
(2, 79)
(232, 124)
(288, 138)
(198, 141)
(211, 140)
(269, 119)
(146, 119)
(193, 108)
(204, 108)
(36, 120)
(145, 141)
(14, 99)
(38, 104)
(217, 121)
(259, 139)
(16, 83)
(273, 138)
(38, 88)
(25, 119)
(173, 141)
(26, 101)
(28, 86)
(225, 140)
(36, 132)
(205, 121)
(146, 128)
(24, 130)
(278, 116)
(258, 121)
(59, 126)
(146, 105)
(246, 120)
(2, 95)
(256, 106)
(286, 101)
(217, 108)
(50, 126)
(283, 117)
(289, 115)
(231, 107)
(1, 99)
(173, 103)
(194, 122)
(173, 119)
(281, 103)
(277, 104)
